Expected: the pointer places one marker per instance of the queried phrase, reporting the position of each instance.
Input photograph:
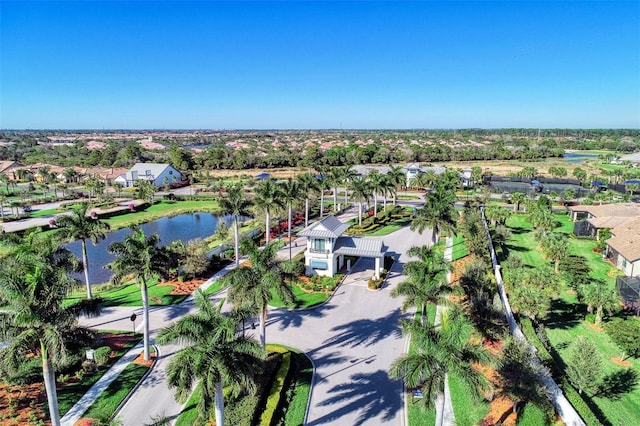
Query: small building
(153, 172)
(327, 247)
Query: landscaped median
(282, 393)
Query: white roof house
(326, 247)
(153, 172)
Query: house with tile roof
(623, 220)
(327, 247)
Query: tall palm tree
(235, 204)
(308, 187)
(426, 281)
(334, 178)
(214, 353)
(441, 350)
(376, 183)
(34, 283)
(253, 285)
(397, 177)
(348, 176)
(361, 192)
(291, 194)
(438, 214)
(268, 196)
(140, 257)
(79, 226)
(387, 188)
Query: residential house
(623, 248)
(153, 172)
(327, 247)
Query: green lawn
(129, 295)
(114, 394)
(459, 249)
(566, 320)
(302, 299)
(466, 411)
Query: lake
(578, 157)
(182, 227)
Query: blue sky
(299, 65)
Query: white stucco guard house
(327, 247)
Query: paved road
(352, 340)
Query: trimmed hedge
(276, 392)
(555, 363)
(101, 355)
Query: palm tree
(348, 176)
(235, 204)
(79, 226)
(214, 353)
(376, 184)
(600, 295)
(387, 187)
(555, 247)
(139, 257)
(253, 285)
(268, 196)
(34, 284)
(426, 280)
(308, 186)
(397, 176)
(361, 193)
(4, 180)
(517, 198)
(291, 194)
(438, 212)
(334, 178)
(439, 351)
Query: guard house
(326, 247)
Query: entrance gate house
(327, 247)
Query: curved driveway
(352, 340)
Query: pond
(183, 227)
(578, 157)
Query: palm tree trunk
(219, 404)
(49, 376)
(598, 319)
(145, 319)
(268, 220)
(85, 263)
(360, 213)
(335, 199)
(306, 212)
(321, 202)
(236, 239)
(263, 327)
(289, 232)
(375, 204)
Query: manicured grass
(46, 212)
(459, 249)
(417, 414)
(388, 229)
(566, 320)
(159, 210)
(302, 299)
(532, 415)
(297, 408)
(129, 295)
(116, 392)
(466, 411)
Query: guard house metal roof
(329, 227)
(357, 246)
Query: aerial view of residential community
(320, 213)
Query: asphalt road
(352, 340)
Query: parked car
(26, 209)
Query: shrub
(276, 392)
(375, 284)
(101, 355)
(625, 334)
